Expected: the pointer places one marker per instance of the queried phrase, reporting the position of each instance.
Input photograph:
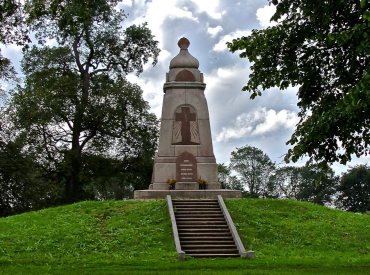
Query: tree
(322, 47)
(354, 189)
(254, 169)
(22, 186)
(223, 175)
(287, 180)
(12, 30)
(76, 101)
(300, 183)
(13, 27)
(312, 191)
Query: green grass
(135, 237)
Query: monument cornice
(183, 85)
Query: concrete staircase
(203, 230)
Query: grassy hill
(135, 237)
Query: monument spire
(185, 151)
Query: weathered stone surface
(206, 149)
(196, 98)
(187, 194)
(160, 186)
(193, 149)
(187, 186)
(166, 159)
(172, 99)
(214, 185)
(165, 147)
(164, 171)
(208, 171)
(202, 159)
(183, 85)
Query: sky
(266, 122)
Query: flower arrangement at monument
(171, 183)
(202, 183)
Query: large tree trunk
(73, 187)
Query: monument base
(187, 194)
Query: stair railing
(232, 228)
(181, 254)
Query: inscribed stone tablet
(186, 167)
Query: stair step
(202, 226)
(198, 212)
(194, 201)
(196, 206)
(198, 235)
(208, 238)
(211, 251)
(203, 230)
(195, 218)
(202, 223)
(210, 246)
(205, 242)
(198, 215)
(213, 255)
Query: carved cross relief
(185, 127)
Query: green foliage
(135, 237)
(22, 186)
(7, 74)
(354, 189)
(223, 174)
(254, 169)
(301, 183)
(13, 30)
(76, 108)
(322, 47)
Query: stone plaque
(186, 167)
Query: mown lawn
(135, 237)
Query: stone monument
(185, 152)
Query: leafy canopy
(354, 189)
(254, 169)
(76, 106)
(323, 48)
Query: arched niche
(185, 127)
(185, 75)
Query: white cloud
(273, 121)
(214, 31)
(221, 45)
(258, 123)
(127, 2)
(209, 7)
(233, 133)
(264, 15)
(157, 11)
